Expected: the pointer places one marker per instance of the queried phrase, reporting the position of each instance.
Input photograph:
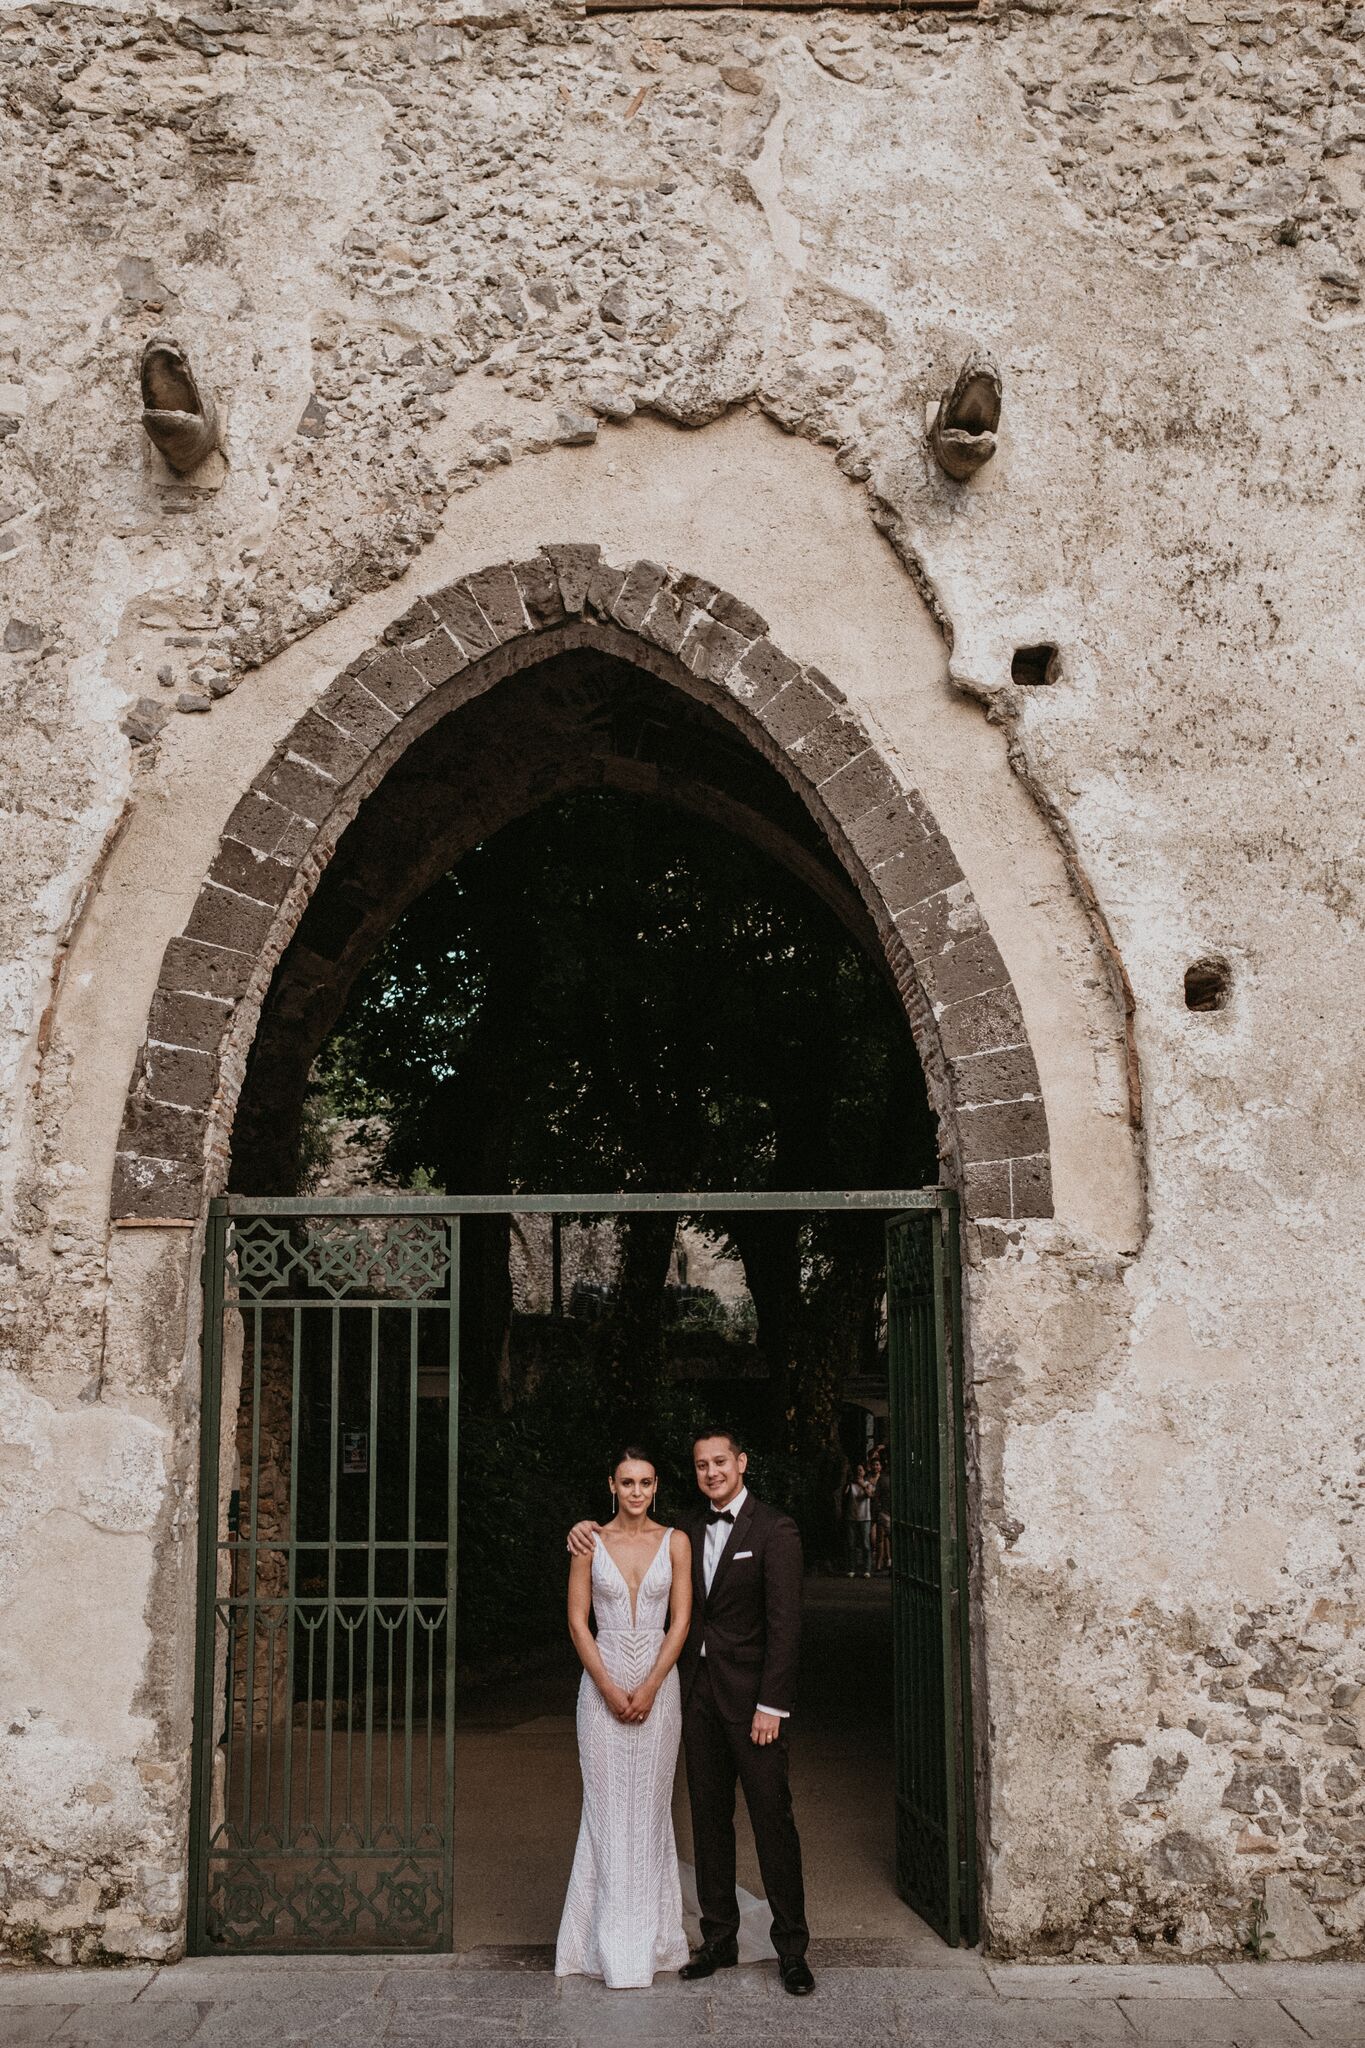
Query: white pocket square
(742, 1553)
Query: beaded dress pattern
(623, 1915)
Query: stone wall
(457, 276)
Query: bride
(623, 1914)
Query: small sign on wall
(355, 1451)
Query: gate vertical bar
(371, 1579)
(950, 1223)
(291, 1609)
(210, 1401)
(452, 1558)
(410, 1631)
(945, 1674)
(333, 1473)
(252, 1569)
(935, 1803)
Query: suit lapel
(737, 1539)
(697, 1533)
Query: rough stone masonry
(463, 279)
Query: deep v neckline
(634, 1598)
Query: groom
(738, 1674)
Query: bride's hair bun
(626, 1451)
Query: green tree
(612, 995)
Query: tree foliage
(612, 995)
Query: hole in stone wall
(1208, 984)
(1033, 666)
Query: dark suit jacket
(751, 1620)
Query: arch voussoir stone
(457, 643)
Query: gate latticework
(324, 1750)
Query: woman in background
(858, 1524)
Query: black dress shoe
(708, 1959)
(796, 1977)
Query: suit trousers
(719, 1753)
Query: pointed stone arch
(443, 652)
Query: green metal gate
(324, 1753)
(935, 1802)
(324, 1741)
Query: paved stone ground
(958, 2002)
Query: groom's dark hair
(718, 1429)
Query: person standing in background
(881, 1515)
(858, 1525)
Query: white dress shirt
(717, 1536)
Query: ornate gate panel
(935, 1805)
(324, 1735)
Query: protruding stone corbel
(179, 418)
(962, 428)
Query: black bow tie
(714, 1515)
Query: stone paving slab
(243, 2026)
(1107, 1980)
(506, 2014)
(439, 2035)
(293, 2019)
(586, 2011)
(439, 2002)
(1075, 2023)
(73, 1987)
(810, 2021)
(109, 2026)
(433, 2032)
(1338, 2020)
(213, 1977)
(1234, 2022)
(479, 1991)
(1296, 1980)
(970, 1979)
(22, 2024)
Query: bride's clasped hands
(630, 1707)
(637, 1704)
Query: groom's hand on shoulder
(582, 1539)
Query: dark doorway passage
(582, 800)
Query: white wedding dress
(623, 1916)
